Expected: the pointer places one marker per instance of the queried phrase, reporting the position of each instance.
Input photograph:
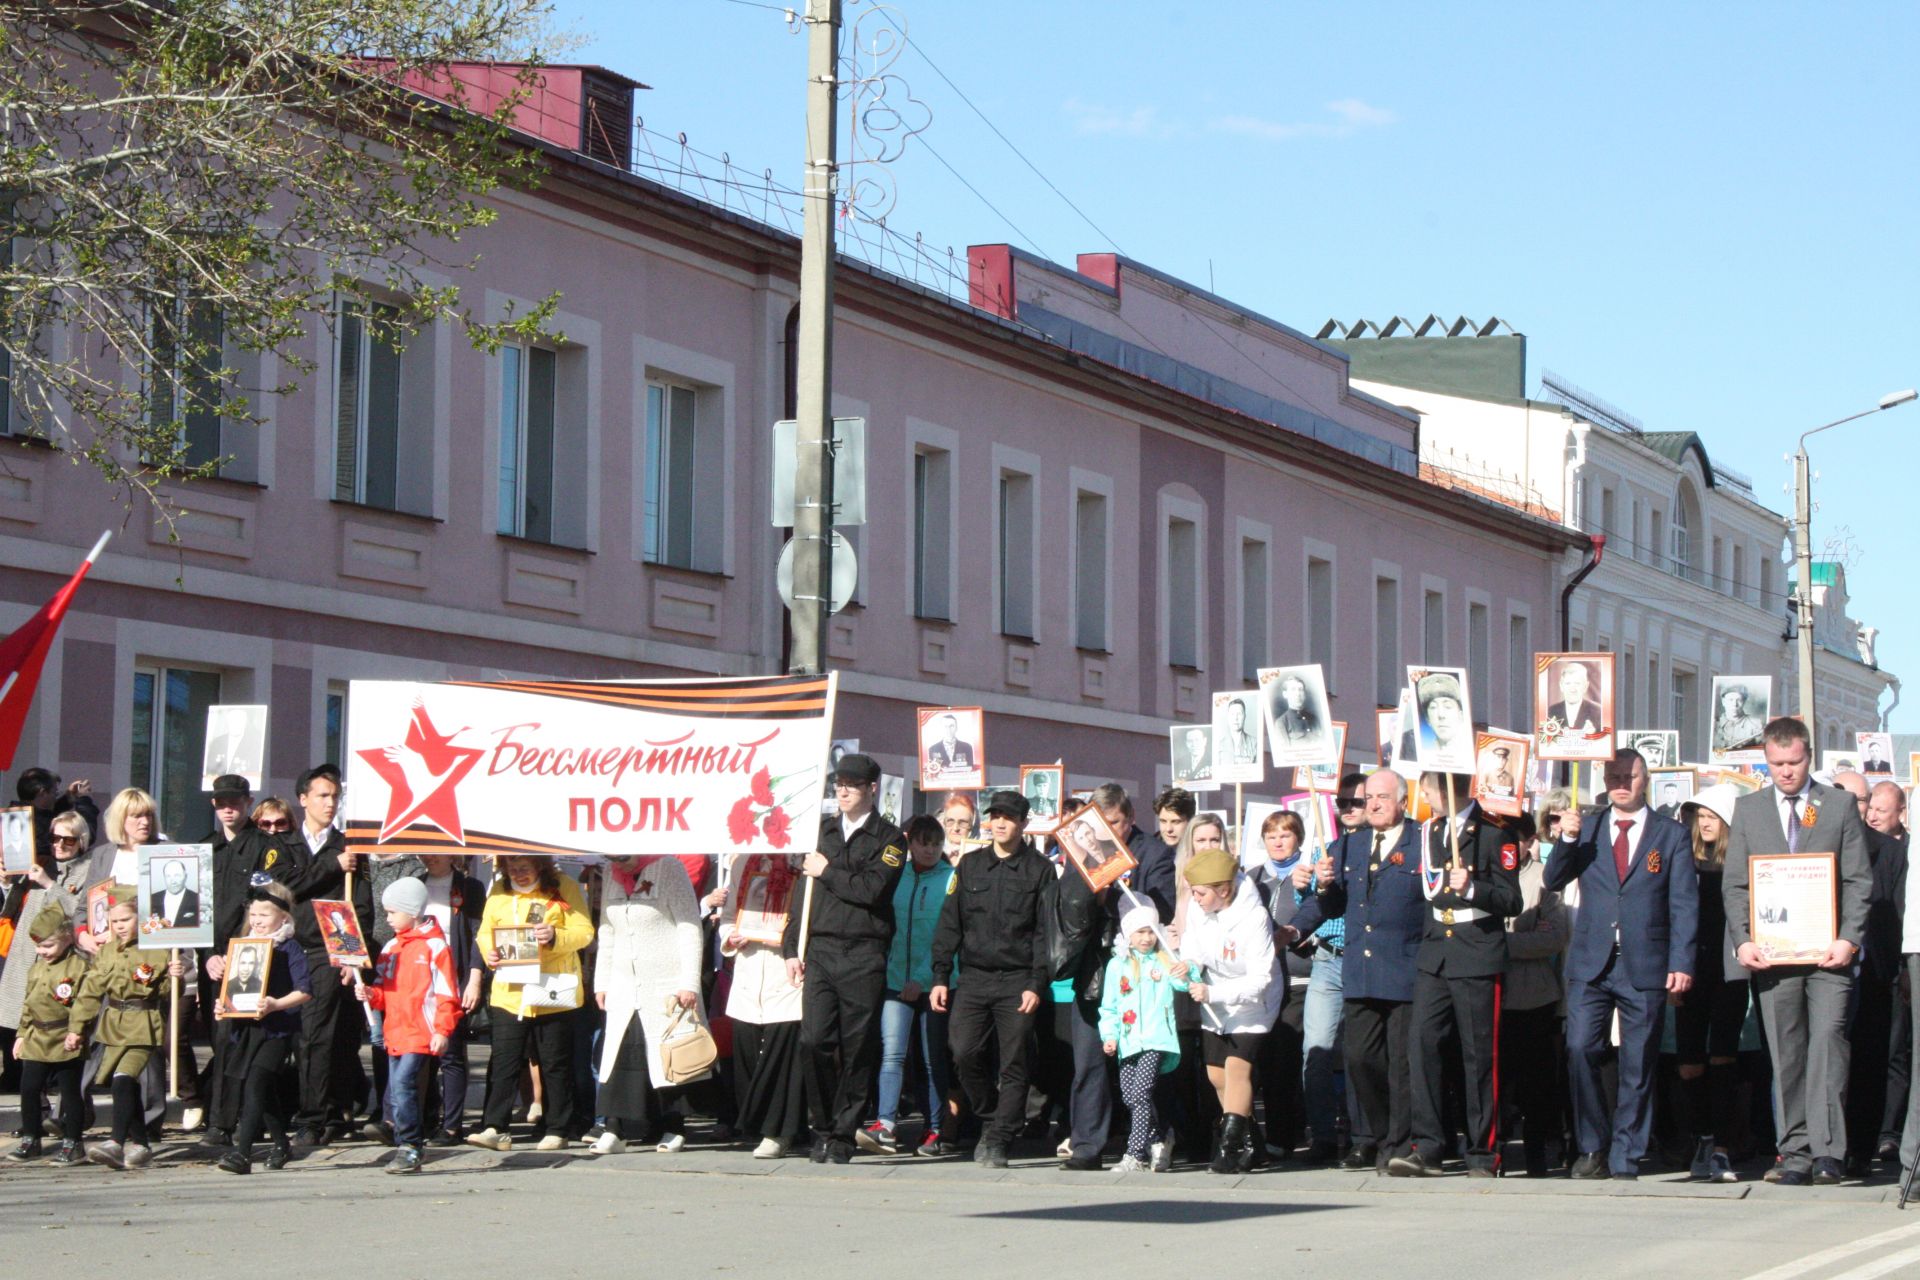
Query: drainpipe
(1886, 717)
(1596, 547)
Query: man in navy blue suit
(1371, 877)
(1633, 945)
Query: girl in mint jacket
(1136, 1026)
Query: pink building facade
(1094, 496)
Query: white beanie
(1717, 799)
(1141, 917)
(406, 895)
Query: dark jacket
(1384, 910)
(992, 920)
(853, 897)
(318, 875)
(1654, 914)
(1473, 946)
(1153, 878)
(1886, 903)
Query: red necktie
(1621, 854)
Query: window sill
(1092, 651)
(524, 541)
(1017, 638)
(933, 620)
(218, 482)
(1184, 668)
(714, 575)
(29, 442)
(385, 511)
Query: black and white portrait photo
(236, 743)
(1042, 785)
(1573, 706)
(1295, 702)
(175, 884)
(1739, 715)
(952, 748)
(16, 840)
(245, 980)
(1660, 748)
(1668, 789)
(1191, 748)
(1237, 729)
(1876, 755)
(1443, 719)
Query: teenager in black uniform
(1462, 955)
(844, 977)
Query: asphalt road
(718, 1212)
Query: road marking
(1882, 1266)
(1814, 1261)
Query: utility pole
(813, 474)
(1803, 568)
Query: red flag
(23, 653)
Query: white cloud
(1093, 118)
(1350, 116)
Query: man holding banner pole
(852, 875)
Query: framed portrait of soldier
(1326, 774)
(1573, 706)
(1044, 786)
(1500, 772)
(340, 933)
(1738, 718)
(1838, 761)
(249, 962)
(1190, 747)
(1238, 730)
(1660, 748)
(175, 887)
(236, 743)
(1792, 905)
(99, 903)
(16, 840)
(1403, 757)
(1876, 755)
(891, 798)
(1442, 719)
(1668, 789)
(953, 748)
(1294, 702)
(519, 953)
(1095, 851)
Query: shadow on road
(1146, 1212)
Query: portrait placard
(175, 884)
(99, 903)
(1835, 760)
(1660, 748)
(1238, 727)
(236, 743)
(1792, 905)
(1668, 789)
(1294, 702)
(1500, 772)
(892, 798)
(1403, 757)
(1737, 719)
(519, 954)
(1323, 829)
(1443, 719)
(1913, 768)
(340, 934)
(1043, 785)
(765, 891)
(1876, 755)
(953, 748)
(1327, 773)
(1573, 706)
(1090, 844)
(244, 982)
(16, 840)
(1190, 752)
(1386, 728)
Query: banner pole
(1453, 830)
(173, 1031)
(806, 920)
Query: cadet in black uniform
(844, 977)
(1462, 955)
(991, 920)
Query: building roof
(1675, 445)
(1828, 572)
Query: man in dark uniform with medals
(853, 873)
(1472, 884)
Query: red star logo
(422, 776)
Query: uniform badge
(63, 992)
(1397, 858)
(1509, 856)
(1810, 815)
(273, 856)
(890, 855)
(953, 882)
(1155, 974)
(1653, 863)
(144, 973)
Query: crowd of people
(1574, 989)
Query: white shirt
(440, 901)
(170, 904)
(1635, 833)
(850, 824)
(316, 840)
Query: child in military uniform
(123, 990)
(259, 1050)
(46, 1058)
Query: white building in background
(1692, 583)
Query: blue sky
(1703, 213)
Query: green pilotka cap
(48, 923)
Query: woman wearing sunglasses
(63, 884)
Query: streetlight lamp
(1803, 542)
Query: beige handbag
(687, 1050)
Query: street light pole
(1803, 545)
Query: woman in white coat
(764, 1003)
(1235, 976)
(648, 967)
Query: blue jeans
(403, 1090)
(1324, 1083)
(896, 1027)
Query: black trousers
(1090, 1104)
(986, 1025)
(1529, 1041)
(840, 1032)
(1871, 1039)
(331, 1024)
(1463, 1007)
(1279, 1074)
(264, 1104)
(41, 1078)
(1899, 1068)
(1376, 1037)
(549, 1039)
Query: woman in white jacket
(647, 968)
(1236, 978)
(764, 1003)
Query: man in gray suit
(1804, 1005)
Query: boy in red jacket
(413, 985)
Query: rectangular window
(1433, 629)
(528, 395)
(336, 723)
(1016, 554)
(1653, 698)
(367, 404)
(1480, 658)
(1253, 607)
(1683, 714)
(1607, 514)
(1519, 671)
(1320, 616)
(169, 740)
(1090, 571)
(183, 381)
(1656, 538)
(671, 455)
(1628, 714)
(1633, 535)
(1766, 582)
(932, 515)
(1389, 673)
(1739, 584)
(1183, 593)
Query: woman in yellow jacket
(530, 893)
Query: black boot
(1250, 1155)
(1227, 1147)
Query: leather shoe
(1080, 1164)
(1827, 1172)
(818, 1154)
(1591, 1166)
(839, 1152)
(1793, 1178)
(1411, 1165)
(1364, 1156)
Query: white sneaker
(491, 1140)
(1160, 1156)
(608, 1144)
(552, 1142)
(1065, 1149)
(139, 1155)
(769, 1149)
(535, 1110)
(1701, 1169)
(1132, 1164)
(191, 1118)
(670, 1144)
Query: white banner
(570, 767)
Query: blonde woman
(131, 820)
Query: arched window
(1687, 532)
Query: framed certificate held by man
(1792, 902)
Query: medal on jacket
(1510, 857)
(144, 973)
(1810, 815)
(63, 992)
(1653, 862)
